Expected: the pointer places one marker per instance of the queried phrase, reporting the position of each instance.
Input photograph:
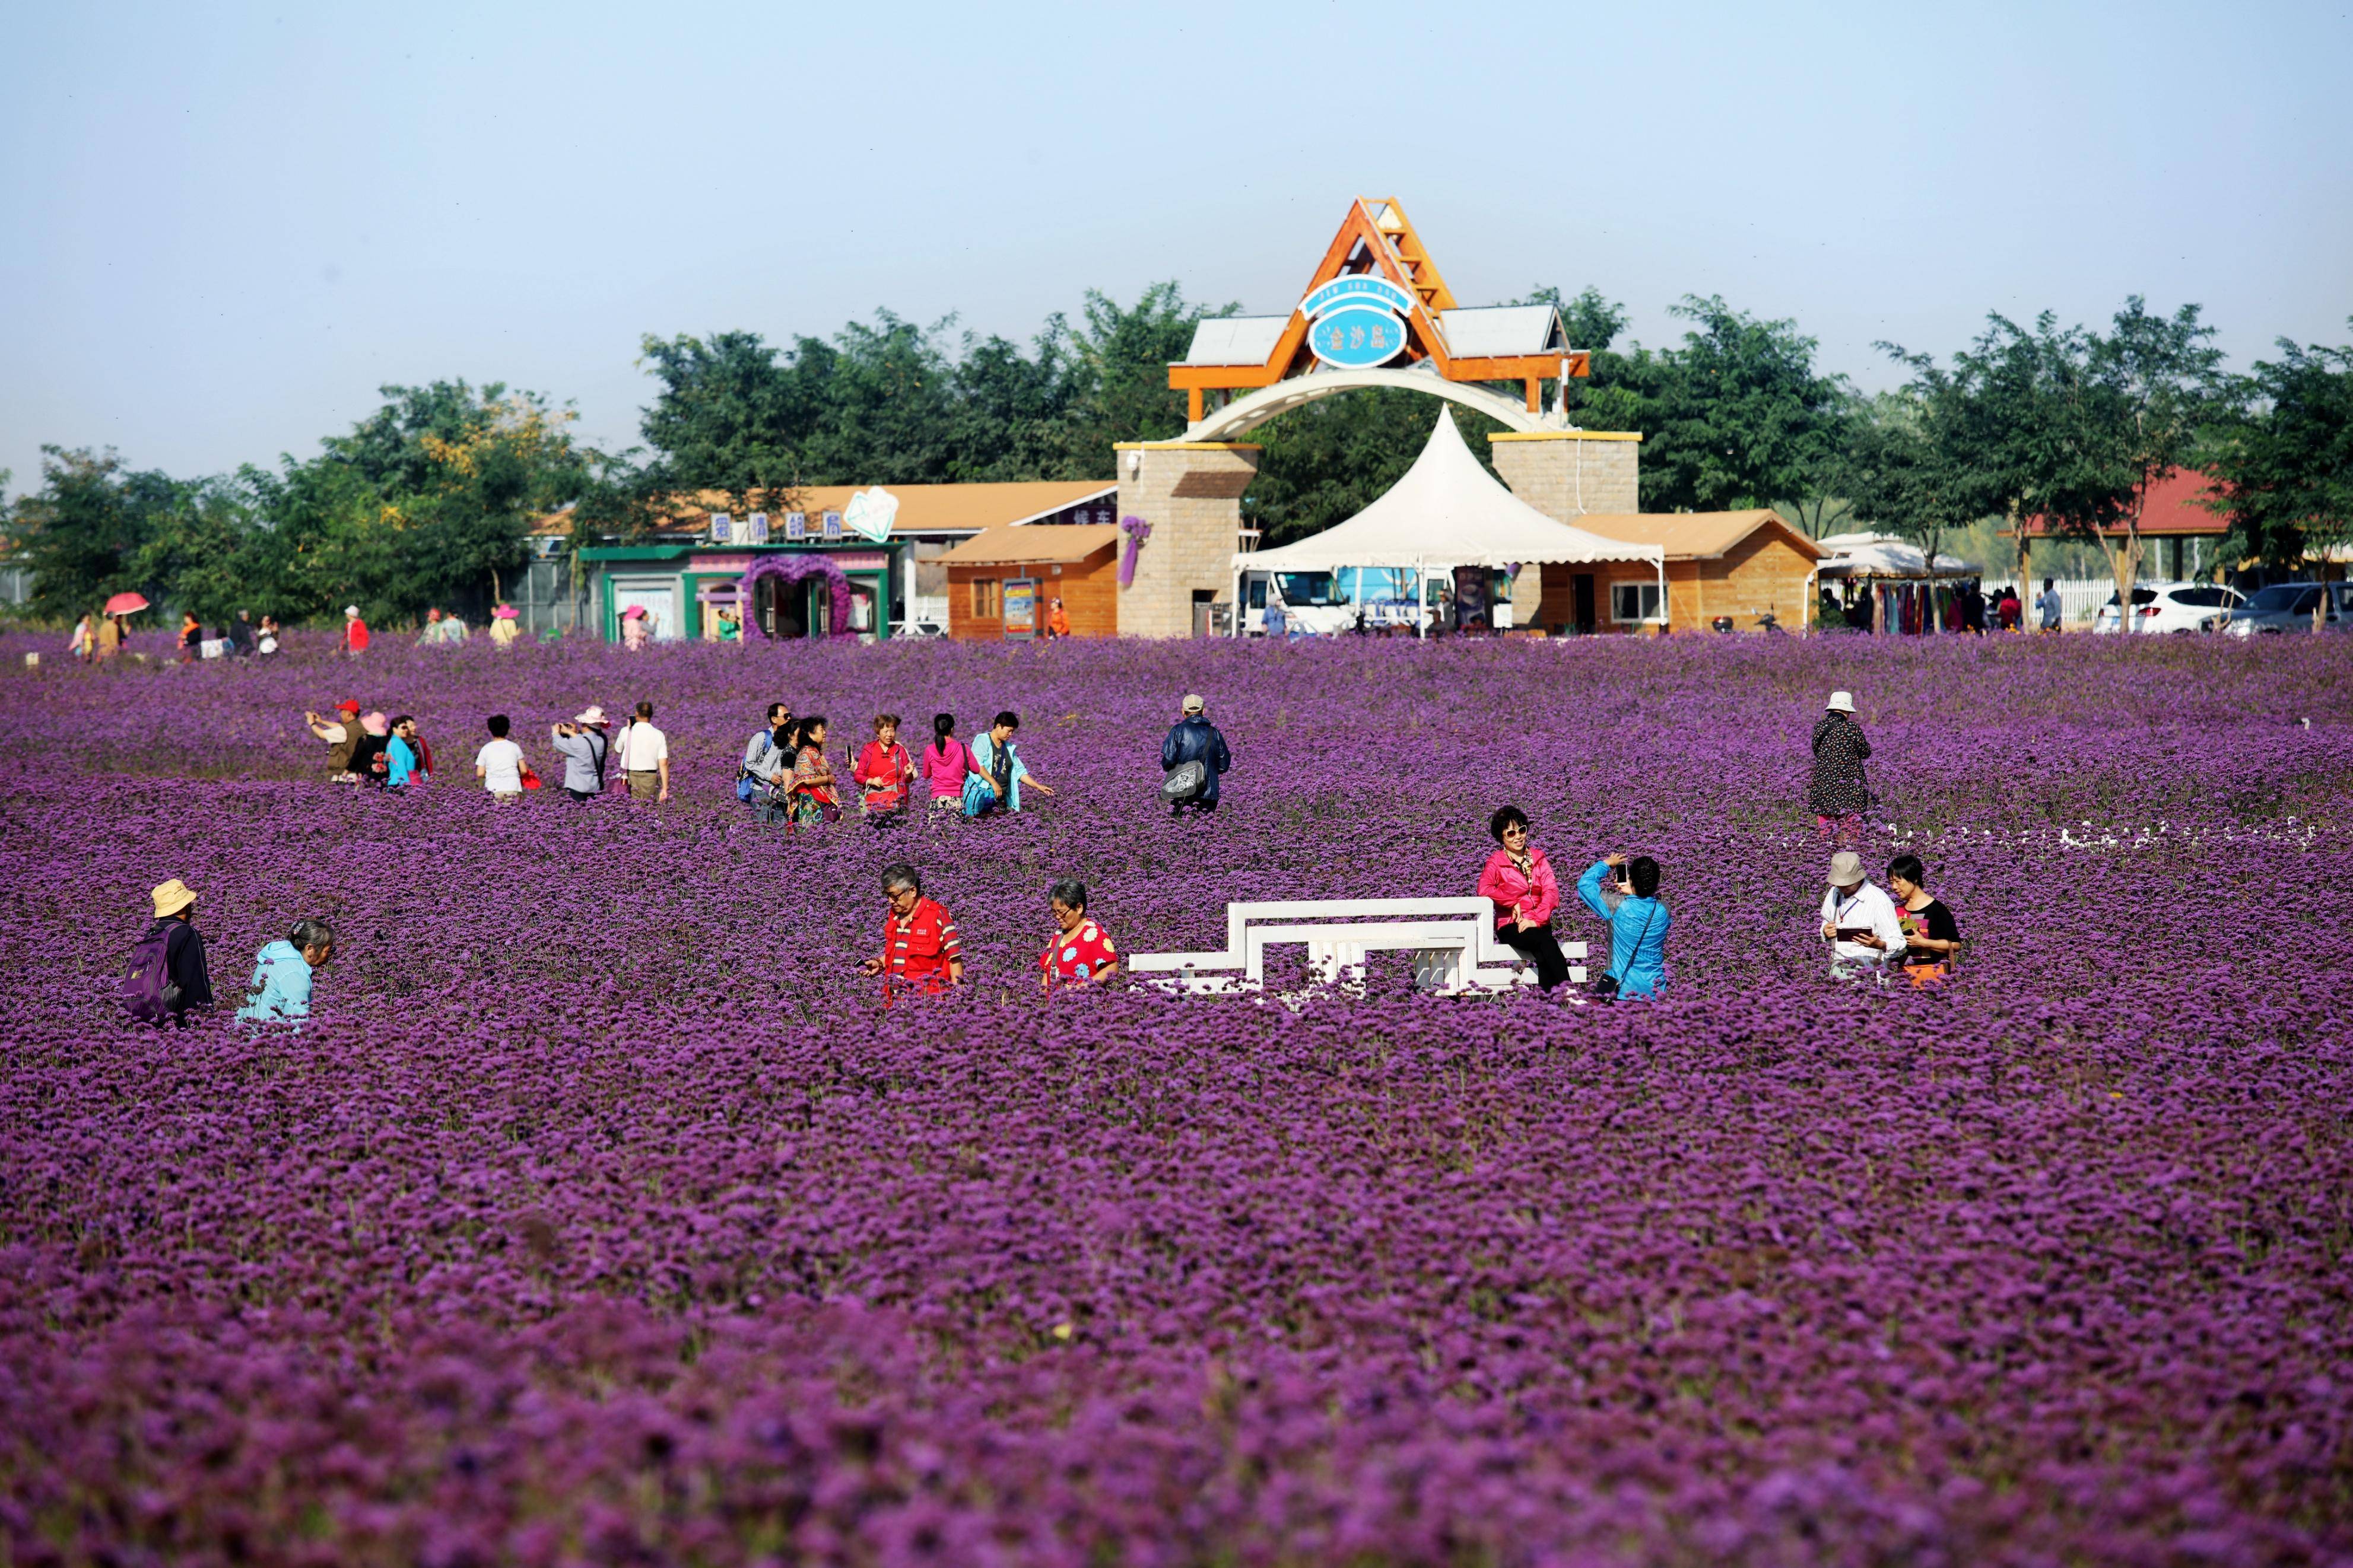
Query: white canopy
(1445, 512)
(1885, 555)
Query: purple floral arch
(788, 570)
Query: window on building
(988, 599)
(1635, 602)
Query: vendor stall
(1884, 584)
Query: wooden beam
(1534, 386)
(1193, 404)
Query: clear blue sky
(223, 226)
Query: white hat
(1193, 703)
(1842, 702)
(592, 714)
(1846, 868)
(352, 611)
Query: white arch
(1247, 414)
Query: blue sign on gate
(1357, 322)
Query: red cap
(347, 706)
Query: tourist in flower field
(2050, 608)
(770, 770)
(191, 632)
(585, 749)
(1058, 621)
(998, 772)
(947, 761)
(84, 643)
(1859, 921)
(1840, 794)
(884, 772)
(341, 734)
(2007, 611)
(504, 626)
(404, 758)
(645, 757)
(498, 764)
(168, 973)
(113, 631)
(920, 951)
(355, 631)
(1625, 893)
(1193, 738)
(814, 799)
(1082, 952)
(268, 642)
(280, 991)
(1932, 937)
(371, 759)
(751, 776)
(1519, 881)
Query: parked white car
(2170, 607)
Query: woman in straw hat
(189, 981)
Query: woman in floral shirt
(1840, 794)
(814, 798)
(1082, 952)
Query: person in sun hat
(1859, 921)
(1840, 794)
(188, 978)
(503, 627)
(341, 734)
(585, 748)
(1193, 738)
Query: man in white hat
(1859, 921)
(584, 746)
(1193, 738)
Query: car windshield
(2286, 598)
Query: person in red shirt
(1519, 881)
(355, 632)
(1082, 952)
(920, 951)
(884, 772)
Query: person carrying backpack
(752, 776)
(168, 974)
(1193, 757)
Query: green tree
(1904, 470)
(2283, 461)
(85, 533)
(2127, 409)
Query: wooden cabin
(1743, 564)
(1077, 564)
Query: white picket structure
(1452, 941)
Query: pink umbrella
(124, 604)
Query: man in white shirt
(498, 764)
(645, 757)
(1859, 921)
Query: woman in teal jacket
(280, 991)
(1638, 920)
(1001, 774)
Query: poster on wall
(1021, 607)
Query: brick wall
(1191, 495)
(1561, 474)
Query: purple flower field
(599, 1217)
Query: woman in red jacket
(1519, 882)
(884, 772)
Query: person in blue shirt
(407, 764)
(1003, 777)
(280, 991)
(1625, 893)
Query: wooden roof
(1694, 535)
(1065, 545)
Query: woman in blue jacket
(1638, 920)
(280, 991)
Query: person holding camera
(585, 748)
(1519, 881)
(1625, 893)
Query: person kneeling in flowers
(1081, 951)
(921, 949)
(280, 991)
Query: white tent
(1885, 555)
(1445, 512)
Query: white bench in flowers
(1452, 941)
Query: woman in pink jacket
(1519, 882)
(945, 764)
